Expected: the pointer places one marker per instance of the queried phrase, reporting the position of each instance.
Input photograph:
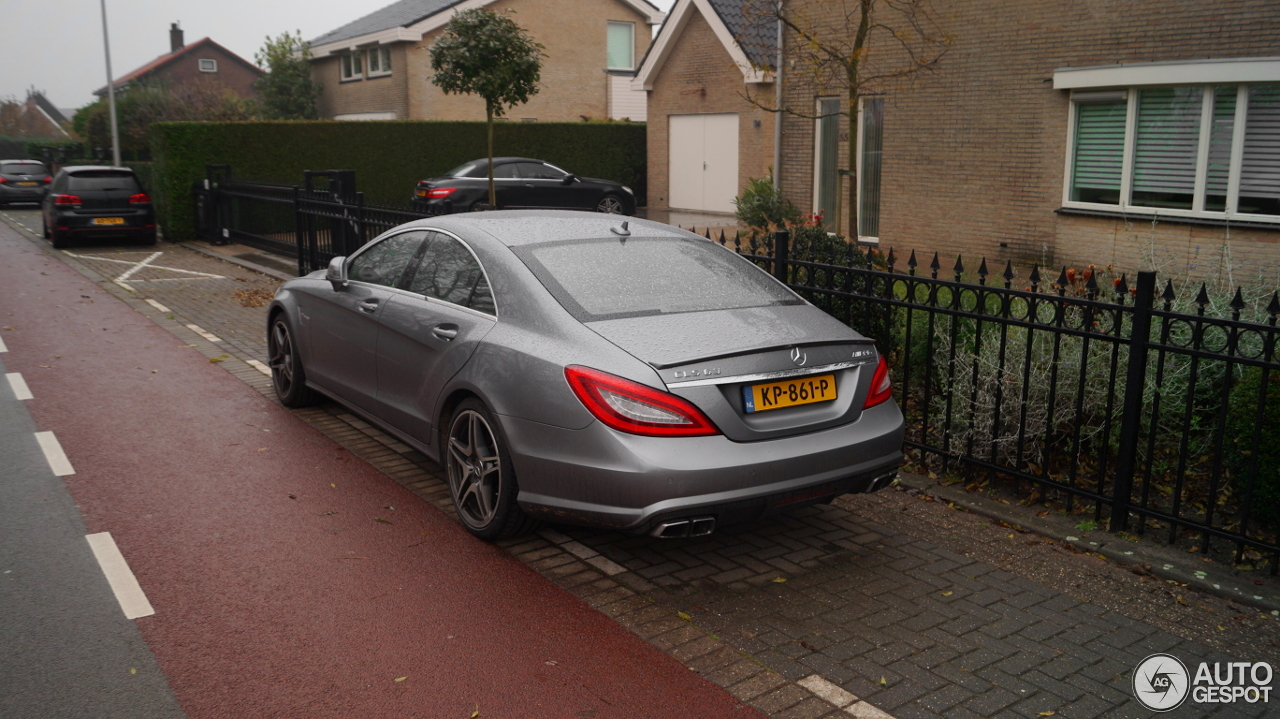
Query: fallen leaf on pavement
(1182, 601)
(947, 594)
(684, 616)
(133, 670)
(883, 683)
(476, 713)
(779, 580)
(254, 297)
(381, 520)
(400, 679)
(1047, 714)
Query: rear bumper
(13, 193)
(80, 224)
(598, 477)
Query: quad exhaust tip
(681, 528)
(880, 483)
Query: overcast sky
(56, 45)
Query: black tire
(58, 239)
(150, 238)
(482, 482)
(44, 228)
(611, 205)
(287, 375)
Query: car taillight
(635, 408)
(439, 192)
(3, 181)
(881, 387)
(66, 200)
(48, 179)
(139, 199)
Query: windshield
(103, 180)
(609, 279)
(22, 168)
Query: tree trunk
(493, 195)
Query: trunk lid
(715, 358)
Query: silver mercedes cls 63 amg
(592, 370)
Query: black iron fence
(323, 218)
(1145, 407)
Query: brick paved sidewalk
(882, 603)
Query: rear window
(610, 279)
(103, 180)
(470, 169)
(23, 168)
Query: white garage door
(704, 161)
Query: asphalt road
(288, 577)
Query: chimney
(175, 38)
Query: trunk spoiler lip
(757, 350)
(764, 376)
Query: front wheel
(287, 375)
(482, 482)
(610, 205)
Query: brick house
(201, 61)
(1138, 134)
(378, 67)
(705, 138)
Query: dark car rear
(90, 202)
(23, 181)
(520, 183)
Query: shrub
(761, 207)
(1241, 414)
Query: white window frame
(347, 66)
(1130, 94)
(817, 157)
(383, 54)
(207, 65)
(862, 104)
(631, 47)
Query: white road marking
(2, 347)
(827, 691)
(204, 333)
(259, 366)
(57, 459)
(19, 385)
(123, 279)
(130, 272)
(863, 710)
(158, 306)
(127, 590)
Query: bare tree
(852, 48)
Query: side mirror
(569, 179)
(337, 273)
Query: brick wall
(700, 77)
(232, 72)
(974, 155)
(385, 93)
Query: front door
(429, 334)
(344, 323)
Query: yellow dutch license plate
(108, 220)
(789, 393)
(28, 184)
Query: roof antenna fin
(622, 231)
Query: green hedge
(388, 157)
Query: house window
(1210, 150)
(351, 65)
(208, 66)
(826, 166)
(379, 61)
(870, 142)
(622, 45)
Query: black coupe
(521, 183)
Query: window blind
(1166, 146)
(1260, 170)
(621, 45)
(869, 181)
(1099, 151)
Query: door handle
(445, 332)
(369, 306)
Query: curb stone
(1163, 564)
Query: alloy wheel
(610, 205)
(281, 359)
(475, 469)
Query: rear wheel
(44, 228)
(482, 482)
(287, 375)
(610, 205)
(59, 239)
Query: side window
(500, 172)
(385, 262)
(539, 171)
(448, 271)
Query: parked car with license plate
(23, 181)
(573, 367)
(521, 183)
(93, 202)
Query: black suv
(97, 202)
(22, 181)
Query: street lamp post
(111, 91)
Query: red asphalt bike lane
(277, 590)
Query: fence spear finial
(1237, 302)
(1008, 273)
(722, 240)
(1122, 287)
(935, 265)
(911, 262)
(1202, 298)
(1273, 309)
(959, 268)
(1035, 276)
(1063, 281)
(891, 259)
(1168, 295)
